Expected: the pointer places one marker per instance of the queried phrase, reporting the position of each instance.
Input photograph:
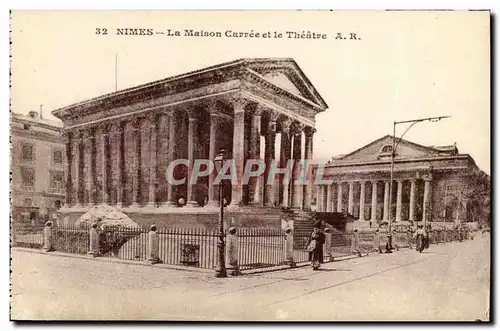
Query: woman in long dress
(315, 246)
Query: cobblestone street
(446, 282)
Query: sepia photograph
(284, 166)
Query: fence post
(289, 247)
(47, 237)
(153, 248)
(355, 243)
(94, 241)
(328, 245)
(232, 252)
(376, 241)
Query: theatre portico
(121, 144)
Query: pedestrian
(315, 246)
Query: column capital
(309, 130)
(152, 118)
(193, 113)
(238, 102)
(88, 134)
(413, 180)
(104, 128)
(297, 128)
(257, 110)
(285, 124)
(427, 177)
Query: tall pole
(389, 235)
(394, 146)
(220, 271)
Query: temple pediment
(380, 149)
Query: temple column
(413, 186)
(104, 163)
(362, 201)
(76, 168)
(350, 203)
(215, 122)
(238, 150)
(285, 156)
(329, 201)
(269, 156)
(386, 201)
(136, 134)
(89, 166)
(297, 188)
(339, 197)
(308, 150)
(192, 143)
(374, 201)
(152, 160)
(119, 168)
(170, 157)
(68, 173)
(426, 216)
(399, 201)
(255, 182)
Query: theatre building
(120, 144)
(432, 183)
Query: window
(56, 180)
(26, 126)
(27, 152)
(387, 149)
(28, 176)
(57, 157)
(27, 202)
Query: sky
(406, 65)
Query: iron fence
(197, 247)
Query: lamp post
(220, 270)
(394, 146)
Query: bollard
(355, 243)
(232, 266)
(376, 242)
(47, 237)
(153, 249)
(94, 241)
(328, 245)
(289, 248)
(409, 237)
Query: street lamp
(220, 270)
(394, 146)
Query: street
(447, 282)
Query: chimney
(41, 113)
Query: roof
(25, 118)
(185, 76)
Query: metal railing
(197, 247)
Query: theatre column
(297, 187)
(426, 216)
(374, 201)
(329, 201)
(152, 119)
(308, 150)
(269, 158)
(386, 201)
(413, 185)
(215, 122)
(255, 182)
(362, 201)
(238, 149)
(192, 143)
(350, 202)
(170, 157)
(399, 200)
(285, 156)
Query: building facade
(38, 162)
(120, 144)
(429, 183)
